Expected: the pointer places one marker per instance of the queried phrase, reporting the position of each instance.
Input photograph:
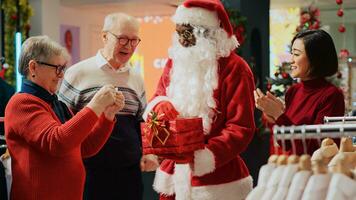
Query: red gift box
(181, 135)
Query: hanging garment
(341, 187)
(298, 185)
(263, 177)
(285, 182)
(317, 187)
(273, 182)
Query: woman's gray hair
(116, 19)
(39, 48)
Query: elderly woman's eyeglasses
(124, 40)
(59, 68)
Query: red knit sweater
(307, 103)
(47, 155)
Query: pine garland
(11, 17)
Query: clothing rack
(343, 119)
(314, 131)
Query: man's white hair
(114, 19)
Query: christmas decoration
(342, 28)
(344, 53)
(282, 81)
(238, 22)
(309, 18)
(11, 16)
(340, 12)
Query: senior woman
(46, 142)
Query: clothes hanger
(294, 158)
(273, 158)
(304, 139)
(282, 159)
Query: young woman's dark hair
(321, 52)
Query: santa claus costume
(210, 81)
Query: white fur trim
(182, 181)
(204, 162)
(196, 16)
(152, 104)
(236, 190)
(163, 183)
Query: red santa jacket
(218, 170)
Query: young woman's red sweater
(308, 103)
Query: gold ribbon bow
(155, 125)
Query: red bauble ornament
(13, 17)
(339, 2)
(315, 25)
(340, 12)
(344, 53)
(285, 75)
(2, 73)
(339, 75)
(269, 86)
(342, 28)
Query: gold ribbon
(154, 125)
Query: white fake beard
(193, 79)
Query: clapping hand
(270, 105)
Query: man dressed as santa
(205, 78)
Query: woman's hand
(113, 109)
(105, 97)
(270, 105)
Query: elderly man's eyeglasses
(124, 40)
(59, 68)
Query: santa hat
(206, 13)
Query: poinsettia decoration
(309, 18)
(281, 81)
